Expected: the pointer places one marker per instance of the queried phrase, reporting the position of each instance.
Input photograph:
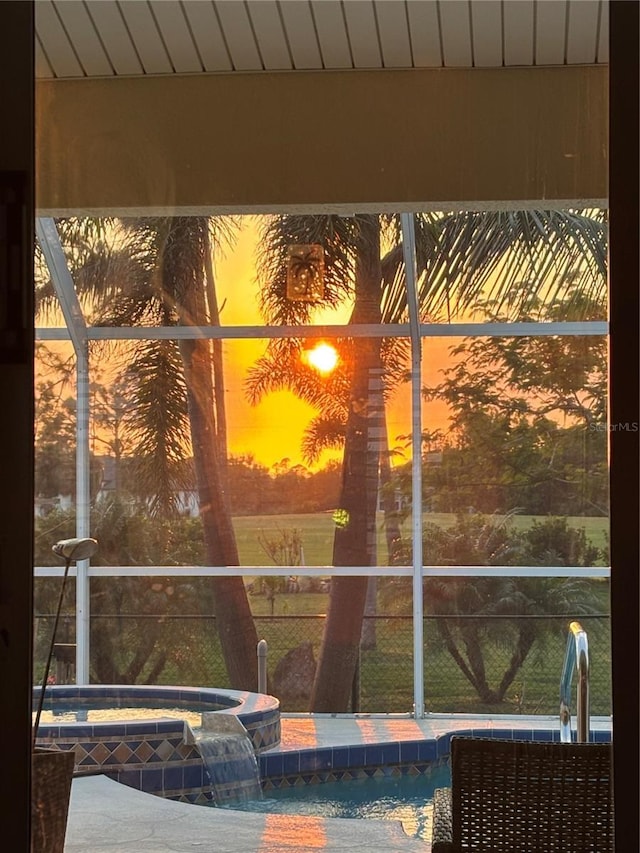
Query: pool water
(408, 799)
(132, 712)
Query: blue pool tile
(80, 732)
(135, 693)
(138, 729)
(174, 727)
(99, 692)
(443, 745)
(48, 731)
(501, 734)
(130, 778)
(110, 729)
(340, 757)
(427, 751)
(173, 778)
(391, 752)
(523, 734)
(356, 756)
(192, 777)
(319, 759)
(388, 753)
(151, 781)
(600, 737)
(545, 735)
(409, 750)
(373, 755)
(271, 765)
(290, 763)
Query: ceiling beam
(368, 140)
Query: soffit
(109, 38)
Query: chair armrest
(442, 831)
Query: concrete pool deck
(106, 816)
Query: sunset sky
(273, 430)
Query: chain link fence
(471, 664)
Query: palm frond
(394, 292)
(282, 367)
(337, 235)
(323, 433)
(511, 257)
(158, 422)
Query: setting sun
(323, 357)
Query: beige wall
(375, 138)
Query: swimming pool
(405, 798)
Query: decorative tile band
(157, 756)
(163, 762)
(312, 766)
(353, 774)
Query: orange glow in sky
(273, 429)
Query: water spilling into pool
(232, 767)
(229, 758)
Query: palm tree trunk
(526, 639)
(392, 533)
(452, 648)
(473, 646)
(216, 348)
(182, 273)
(369, 640)
(355, 540)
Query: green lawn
(317, 533)
(387, 671)
(386, 674)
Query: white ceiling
(106, 38)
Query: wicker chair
(525, 797)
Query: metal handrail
(576, 657)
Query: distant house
(43, 506)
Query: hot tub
(152, 746)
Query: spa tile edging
(157, 756)
(258, 713)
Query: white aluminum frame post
(409, 253)
(49, 240)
